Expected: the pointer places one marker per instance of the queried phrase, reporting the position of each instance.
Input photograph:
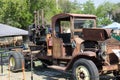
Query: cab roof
(66, 15)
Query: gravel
(39, 73)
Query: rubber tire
(18, 57)
(89, 65)
(117, 75)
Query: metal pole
(42, 17)
(35, 17)
(31, 66)
(9, 71)
(1, 63)
(38, 18)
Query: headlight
(103, 47)
(102, 52)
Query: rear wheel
(15, 61)
(84, 69)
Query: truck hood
(96, 34)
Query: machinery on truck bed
(74, 44)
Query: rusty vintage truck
(74, 44)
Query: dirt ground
(39, 73)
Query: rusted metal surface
(57, 47)
(111, 41)
(57, 67)
(64, 15)
(95, 34)
(89, 53)
(112, 44)
(78, 41)
(49, 44)
(110, 67)
(78, 56)
(111, 47)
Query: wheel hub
(82, 73)
(12, 62)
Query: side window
(65, 26)
(62, 27)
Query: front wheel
(84, 69)
(117, 75)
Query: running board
(57, 67)
(110, 67)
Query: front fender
(86, 54)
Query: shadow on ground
(52, 74)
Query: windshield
(84, 23)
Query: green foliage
(88, 7)
(15, 13)
(64, 5)
(104, 13)
(116, 13)
(103, 21)
(76, 7)
(116, 16)
(48, 6)
(20, 13)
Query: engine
(98, 47)
(37, 35)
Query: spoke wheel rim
(82, 73)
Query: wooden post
(23, 69)
(23, 66)
(9, 71)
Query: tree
(104, 13)
(76, 7)
(20, 13)
(116, 13)
(15, 13)
(64, 5)
(89, 8)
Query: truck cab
(67, 33)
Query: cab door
(57, 47)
